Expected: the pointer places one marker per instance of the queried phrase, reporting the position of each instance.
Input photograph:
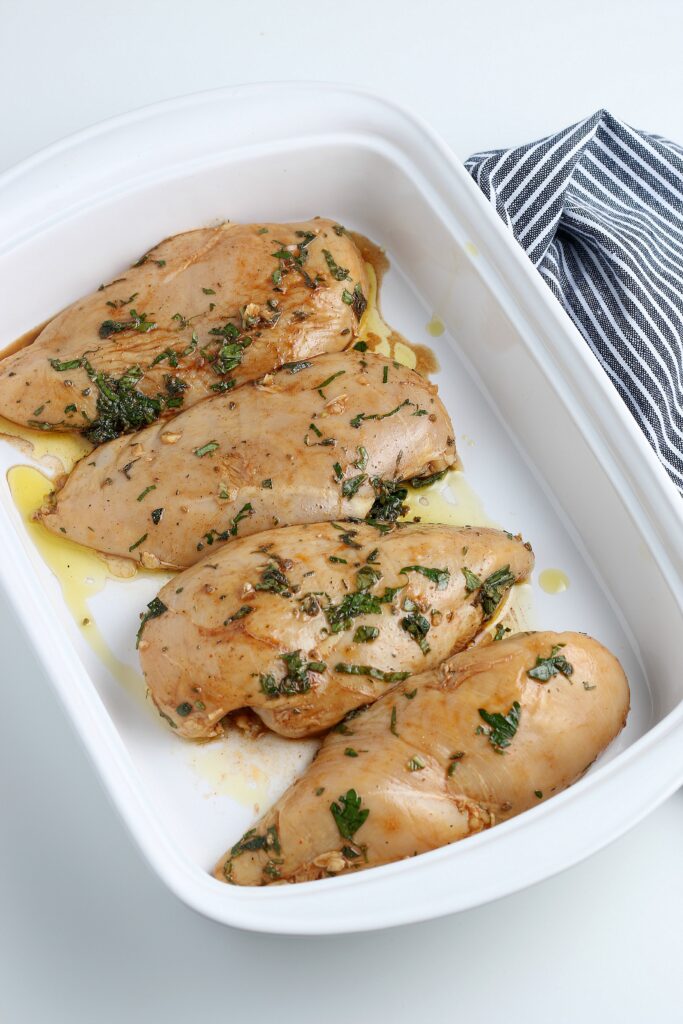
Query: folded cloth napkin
(598, 209)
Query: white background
(87, 934)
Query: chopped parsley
(241, 613)
(438, 576)
(546, 668)
(502, 728)
(302, 364)
(274, 581)
(121, 407)
(348, 815)
(415, 764)
(338, 273)
(425, 481)
(296, 679)
(138, 542)
(454, 760)
(362, 460)
(243, 513)
(417, 627)
(206, 449)
(365, 634)
(251, 841)
(329, 380)
(491, 589)
(357, 420)
(389, 501)
(392, 722)
(359, 304)
(155, 608)
(143, 494)
(137, 322)
(352, 485)
(370, 670)
(69, 364)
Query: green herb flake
(243, 513)
(69, 364)
(241, 613)
(388, 504)
(491, 589)
(417, 627)
(184, 709)
(361, 346)
(338, 273)
(352, 485)
(538, 793)
(138, 542)
(501, 630)
(348, 815)
(438, 576)
(303, 364)
(546, 668)
(143, 494)
(392, 722)
(329, 380)
(454, 760)
(415, 764)
(137, 322)
(274, 581)
(156, 515)
(155, 608)
(502, 728)
(251, 841)
(472, 581)
(369, 670)
(296, 679)
(350, 752)
(365, 634)
(425, 481)
(208, 291)
(206, 449)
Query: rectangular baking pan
(545, 441)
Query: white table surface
(87, 933)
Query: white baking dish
(556, 455)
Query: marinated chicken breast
(324, 439)
(307, 623)
(199, 313)
(492, 732)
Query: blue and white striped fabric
(598, 209)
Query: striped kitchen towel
(598, 209)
